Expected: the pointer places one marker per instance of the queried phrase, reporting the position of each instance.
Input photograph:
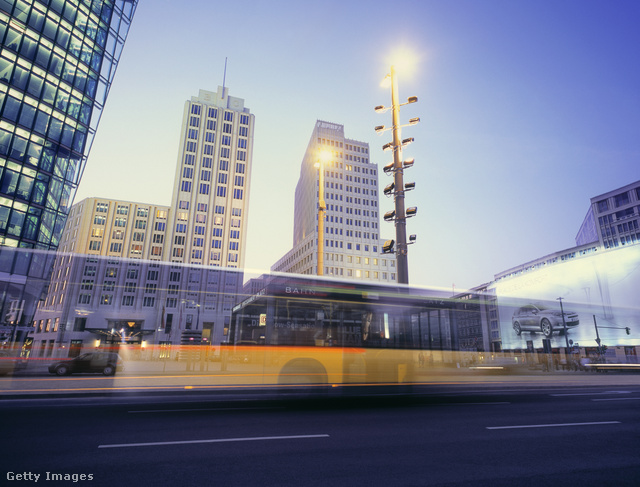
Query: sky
(528, 109)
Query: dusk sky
(528, 109)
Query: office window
(621, 199)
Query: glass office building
(57, 61)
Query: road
(452, 436)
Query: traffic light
(628, 331)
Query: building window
(79, 324)
(621, 199)
(127, 300)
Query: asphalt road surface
(525, 437)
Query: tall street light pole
(322, 208)
(564, 324)
(398, 179)
(398, 188)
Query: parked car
(9, 362)
(106, 363)
(535, 317)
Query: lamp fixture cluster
(397, 188)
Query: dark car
(106, 363)
(535, 317)
(9, 362)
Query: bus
(321, 332)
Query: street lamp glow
(324, 156)
(405, 61)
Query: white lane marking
(592, 393)
(550, 425)
(220, 440)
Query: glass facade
(57, 61)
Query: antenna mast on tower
(224, 77)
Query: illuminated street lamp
(323, 157)
(398, 188)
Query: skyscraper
(212, 180)
(134, 272)
(57, 63)
(352, 244)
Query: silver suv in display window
(535, 317)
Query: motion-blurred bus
(298, 331)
